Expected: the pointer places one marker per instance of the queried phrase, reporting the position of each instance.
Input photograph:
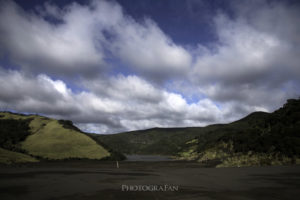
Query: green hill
(9, 157)
(258, 139)
(155, 141)
(32, 137)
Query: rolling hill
(29, 138)
(155, 141)
(258, 139)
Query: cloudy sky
(112, 66)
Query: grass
(189, 153)
(258, 159)
(52, 141)
(258, 139)
(213, 154)
(49, 139)
(223, 155)
(10, 157)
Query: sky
(114, 66)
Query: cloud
(148, 49)
(254, 60)
(148, 106)
(38, 45)
(121, 88)
(139, 106)
(34, 94)
(77, 39)
(253, 65)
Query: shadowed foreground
(102, 180)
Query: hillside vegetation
(155, 141)
(9, 157)
(258, 139)
(44, 138)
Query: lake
(95, 180)
(148, 158)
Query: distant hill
(258, 139)
(30, 138)
(155, 141)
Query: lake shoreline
(148, 158)
(103, 180)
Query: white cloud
(243, 52)
(253, 66)
(254, 61)
(108, 113)
(36, 44)
(58, 85)
(79, 41)
(147, 47)
(119, 87)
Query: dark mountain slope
(262, 137)
(159, 141)
(258, 139)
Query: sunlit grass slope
(51, 140)
(9, 157)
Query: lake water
(148, 158)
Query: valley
(93, 180)
(254, 158)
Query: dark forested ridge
(12, 132)
(259, 138)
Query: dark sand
(103, 181)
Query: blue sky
(113, 66)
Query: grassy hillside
(258, 139)
(52, 141)
(46, 138)
(9, 157)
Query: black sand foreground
(146, 180)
